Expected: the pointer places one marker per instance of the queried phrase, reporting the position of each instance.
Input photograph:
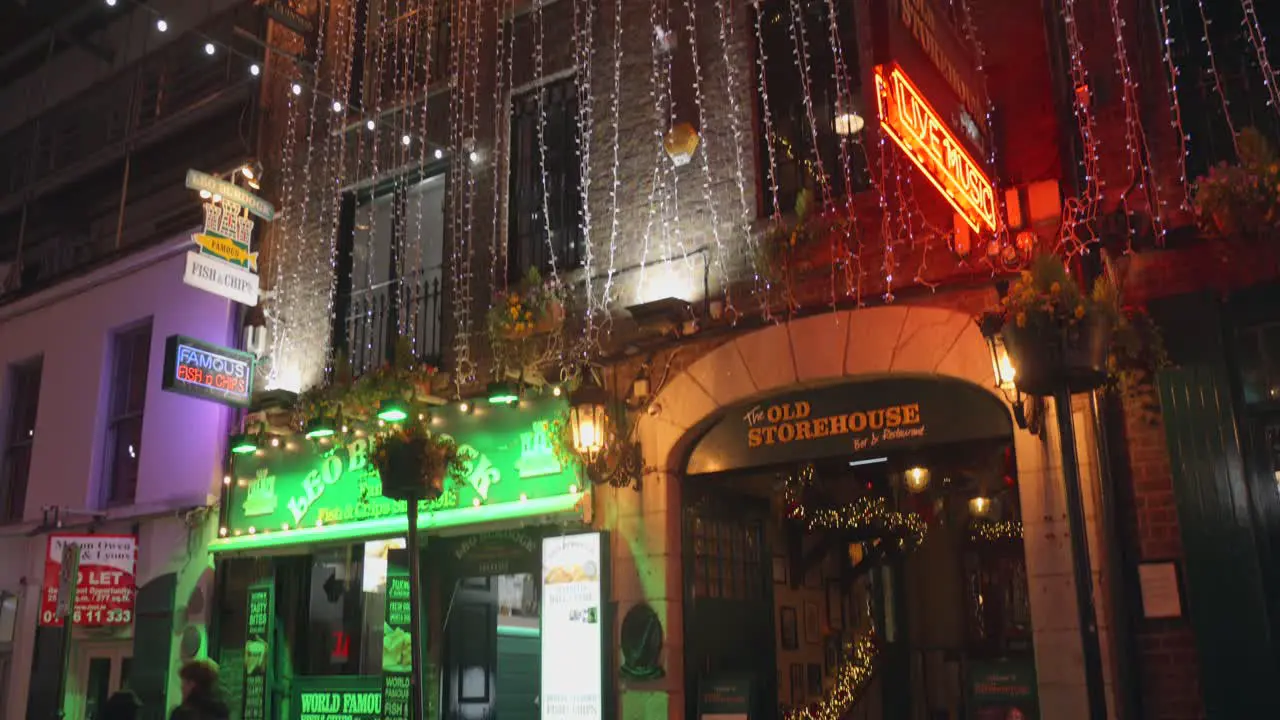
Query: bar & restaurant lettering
(788, 422)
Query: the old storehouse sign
(862, 418)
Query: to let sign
(207, 371)
(105, 580)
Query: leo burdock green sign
(397, 642)
(1003, 690)
(509, 454)
(337, 697)
(259, 625)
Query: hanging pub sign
(207, 371)
(222, 262)
(260, 614)
(573, 577)
(511, 470)
(342, 697)
(867, 418)
(105, 586)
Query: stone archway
(848, 344)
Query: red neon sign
(918, 129)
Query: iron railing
(408, 312)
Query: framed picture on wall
(779, 570)
(835, 605)
(797, 684)
(814, 678)
(812, 623)
(788, 627)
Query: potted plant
(358, 398)
(414, 463)
(1057, 336)
(805, 242)
(531, 307)
(1241, 199)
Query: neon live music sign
(918, 129)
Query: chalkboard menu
(259, 626)
(337, 697)
(397, 642)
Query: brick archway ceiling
(847, 344)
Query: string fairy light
(1165, 37)
(996, 531)
(1136, 146)
(1080, 212)
(538, 69)
(1253, 28)
(727, 25)
(583, 50)
(657, 97)
(504, 44)
(615, 182)
(851, 677)
(706, 133)
(1217, 76)
(468, 158)
(800, 53)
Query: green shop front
(314, 613)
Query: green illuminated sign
(397, 642)
(337, 698)
(258, 660)
(307, 484)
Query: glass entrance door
(97, 671)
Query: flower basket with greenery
(359, 398)
(1242, 200)
(1057, 336)
(805, 241)
(531, 307)
(414, 463)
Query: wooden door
(471, 650)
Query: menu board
(397, 642)
(259, 624)
(572, 627)
(337, 697)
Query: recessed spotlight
(371, 125)
(296, 88)
(337, 106)
(162, 25)
(209, 49)
(255, 70)
(405, 140)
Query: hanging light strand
(583, 24)
(1175, 105)
(1253, 28)
(1079, 213)
(615, 182)
(1216, 76)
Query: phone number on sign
(92, 616)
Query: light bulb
(337, 106)
(254, 70)
(439, 153)
(162, 25)
(405, 140)
(209, 49)
(111, 3)
(370, 125)
(474, 156)
(297, 89)
(205, 194)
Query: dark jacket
(200, 707)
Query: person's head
(121, 706)
(199, 677)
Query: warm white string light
(1217, 77)
(707, 132)
(1165, 37)
(615, 101)
(503, 43)
(800, 53)
(583, 40)
(1079, 213)
(1253, 28)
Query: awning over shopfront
(875, 416)
(308, 491)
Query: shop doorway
(98, 670)
(771, 597)
(492, 650)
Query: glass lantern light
(589, 419)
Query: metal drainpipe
(1125, 660)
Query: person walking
(123, 705)
(200, 699)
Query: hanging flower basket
(1052, 356)
(815, 238)
(413, 463)
(529, 308)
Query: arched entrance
(881, 342)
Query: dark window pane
(16, 473)
(126, 448)
(139, 354)
(25, 398)
(545, 231)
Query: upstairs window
(788, 28)
(545, 231)
(24, 398)
(131, 351)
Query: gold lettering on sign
(791, 422)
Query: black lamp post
(1060, 371)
